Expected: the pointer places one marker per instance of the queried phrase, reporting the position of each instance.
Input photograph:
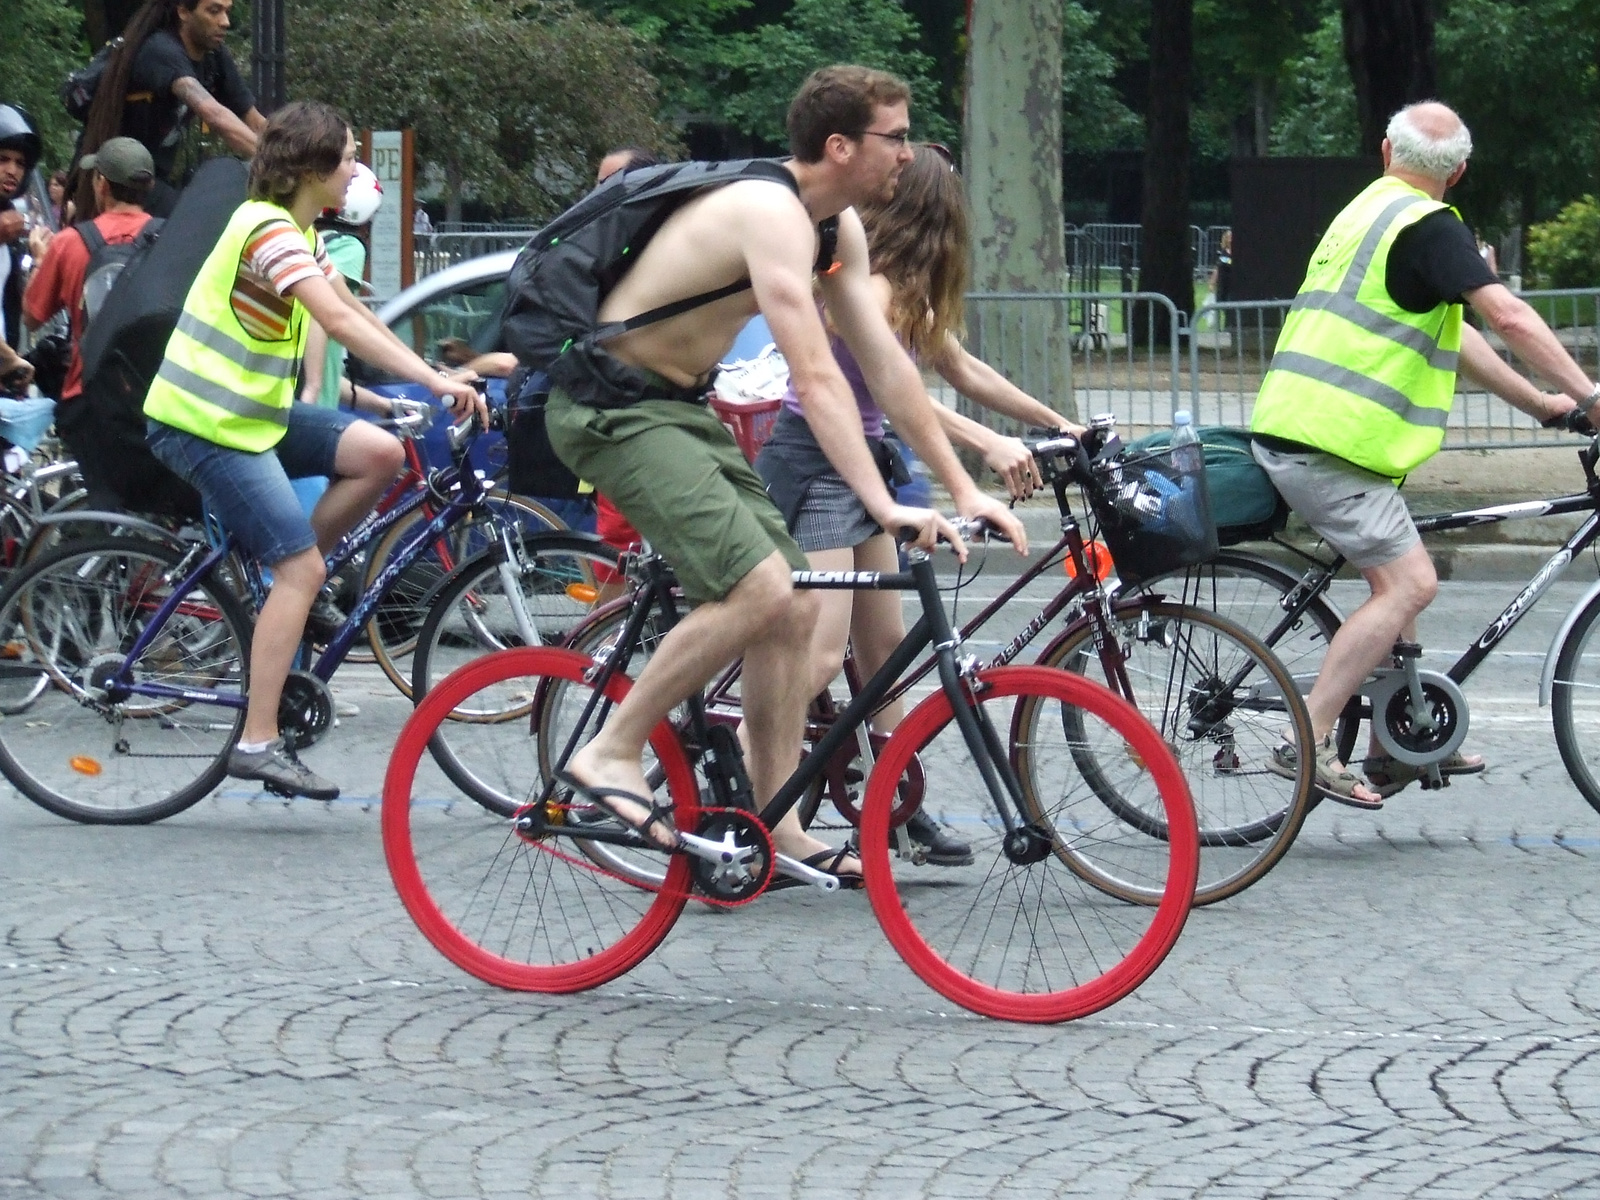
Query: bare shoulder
(756, 204)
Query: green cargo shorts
(676, 473)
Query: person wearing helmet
(322, 375)
(123, 175)
(20, 148)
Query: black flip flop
(827, 861)
(598, 796)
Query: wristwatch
(1588, 402)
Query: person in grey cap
(122, 173)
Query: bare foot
(620, 788)
(788, 838)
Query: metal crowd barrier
(1231, 345)
(1080, 352)
(436, 251)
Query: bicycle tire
(393, 629)
(1178, 660)
(76, 612)
(1575, 703)
(493, 902)
(987, 943)
(472, 612)
(1248, 590)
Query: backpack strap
(92, 237)
(828, 232)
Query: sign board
(390, 268)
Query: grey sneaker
(282, 772)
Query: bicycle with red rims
(531, 887)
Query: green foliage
(1565, 252)
(40, 41)
(1524, 78)
(512, 104)
(1094, 117)
(714, 68)
(1243, 51)
(1317, 107)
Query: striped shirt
(275, 258)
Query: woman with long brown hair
(918, 243)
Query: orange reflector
(84, 765)
(1099, 556)
(583, 593)
(11, 650)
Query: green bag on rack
(1244, 503)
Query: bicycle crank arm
(796, 869)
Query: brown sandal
(1332, 779)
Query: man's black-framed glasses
(899, 139)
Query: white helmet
(362, 198)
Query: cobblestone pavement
(234, 1003)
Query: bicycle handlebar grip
(1574, 420)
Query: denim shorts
(250, 492)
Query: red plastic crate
(750, 421)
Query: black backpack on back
(123, 349)
(568, 268)
(78, 88)
(107, 260)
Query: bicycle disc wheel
(1250, 591)
(393, 629)
(490, 604)
(1222, 702)
(79, 751)
(1575, 702)
(1022, 936)
(520, 910)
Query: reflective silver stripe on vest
(1357, 271)
(234, 350)
(1341, 304)
(186, 380)
(1347, 380)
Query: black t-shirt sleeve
(160, 63)
(226, 84)
(1433, 261)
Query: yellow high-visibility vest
(1354, 374)
(217, 381)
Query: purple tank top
(871, 414)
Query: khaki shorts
(1360, 514)
(676, 473)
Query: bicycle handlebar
(1574, 420)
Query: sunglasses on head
(943, 152)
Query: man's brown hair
(840, 99)
(302, 139)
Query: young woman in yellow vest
(222, 412)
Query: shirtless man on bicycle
(676, 474)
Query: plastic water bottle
(1186, 455)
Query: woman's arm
(312, 364)
(980, 382)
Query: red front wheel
(1019, 935)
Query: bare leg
(762, 605)
(1400, 590)
(279, 628)
(367, 461)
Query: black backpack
(567, 269)
(107, 260)
(78, 88)
(123, 349)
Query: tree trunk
(1166, 264)
(1388, 45)
(1013, 173)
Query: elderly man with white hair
(1358, 394)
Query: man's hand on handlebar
(462, 397)
(987, 508)
(1572, 419)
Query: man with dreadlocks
(172, 67)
